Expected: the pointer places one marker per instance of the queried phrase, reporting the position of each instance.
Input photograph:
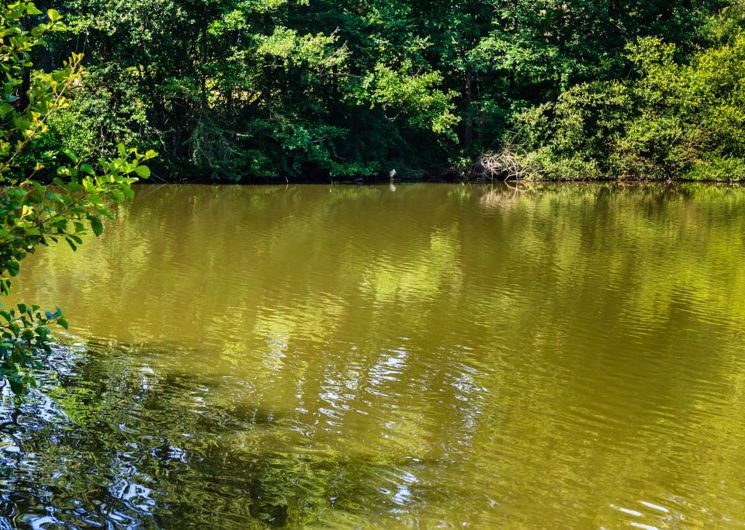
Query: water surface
(429, 356)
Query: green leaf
(96, 225)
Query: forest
(312, 90)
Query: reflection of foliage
(161, 455)
(354, 356)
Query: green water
(429, 356)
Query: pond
(378, 357)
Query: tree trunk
(468, 122)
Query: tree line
(259, 90)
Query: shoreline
(159, 181)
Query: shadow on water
(108, 444)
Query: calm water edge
(419, 357)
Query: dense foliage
(75, 193)
(671, 120)
(257, 89)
